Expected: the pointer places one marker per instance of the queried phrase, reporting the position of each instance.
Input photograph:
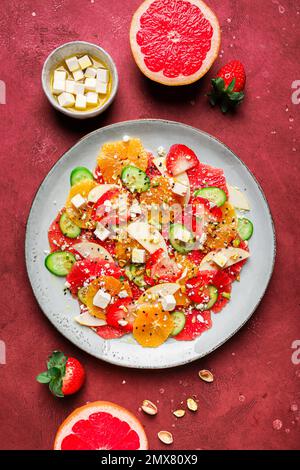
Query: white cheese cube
(92, 98)
(70, 86)
(60, 75)
(80, 102)
(66, 100)
(97, 64)
(84, 62)
(168, 303)
(179, 189)
(103, 75)
(78, 75)
(72, 64)
(101, 232)
(138, 255)
(78, 201)
(79, 88)
(90, 72)
(101, 299)
(183, 235)
(220, 259)
(135, 210)
(101, 87)
(59, 86)
(90, 84)
(123, 294)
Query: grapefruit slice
(174, 42)
(101, 425)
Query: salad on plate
(149, 245)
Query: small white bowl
(72, 48)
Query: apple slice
(85, 319)
(147, 235)
(233, 256)
(238, 199)
(92, 251)
(99, 190)
(160, 290)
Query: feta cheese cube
(59, 86)
(135, 210)
(66, 100)
(80, 102)
(101, 299)
(220, 259)
(101, 87)
(183, 235)
(92, 98)
(168, 303)
(84, 62)
(72, 64)
(90, 84)
(101, 232)
(60, 75)
(79, 88)
(78, 75)
(78, 201)
(97, 64)
(90, 72)
(179, 189)
(123, 294)
(138, 255)
(103, 75)
(70, 86)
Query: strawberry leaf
(43, 378)
(57, 358)
(230, 87)
(56, 366)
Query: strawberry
(64, 375)
(228, 86)
(109, 332)
(180, 158)
(119, 315)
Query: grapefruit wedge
(101, 425)
(174, 42)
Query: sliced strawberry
(109, 332)
(86, 269)
(119, 313)
(161, 268)
(198, 202)
(196, 288)
(99, 208)
(180, 158)
(203, 175)
(196, 323)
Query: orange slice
(152, 325)
(114, 156)
(221, 235)
(160, 191)
(81, 217)
(111, 285)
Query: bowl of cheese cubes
(80, 79)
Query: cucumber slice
(60, 262)
(80, 173)
(179, 322)
(135, 179)
(213, 194)
(245, 228)
(133, 273)
(68, 228)
(181, 239)
(82, 294)
(213, 297)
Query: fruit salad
(150, 244)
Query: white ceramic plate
(61, 309)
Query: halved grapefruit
(174, 42)
(101, 425)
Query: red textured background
(256, 381)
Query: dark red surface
(256, 381)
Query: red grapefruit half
(174, 42)
(101, 425)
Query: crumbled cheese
(123, 322)
(123, 294)
(126, 138)
(138, 255)
(161, 151)
(78, 201)
(101, 299)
